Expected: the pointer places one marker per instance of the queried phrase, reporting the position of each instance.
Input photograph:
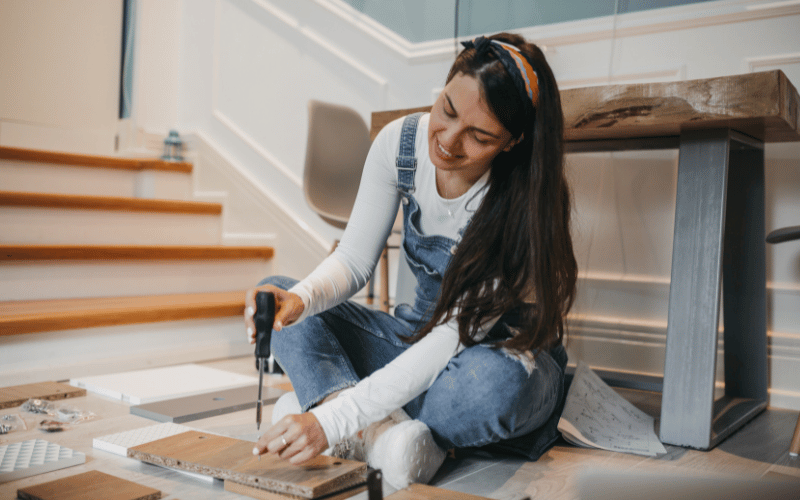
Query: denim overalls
(483, 396)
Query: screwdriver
(263, 318)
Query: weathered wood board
(16, 395)
(190, 408)
(763, 105)
(92, 485)
(232, 459)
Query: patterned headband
(516, 64)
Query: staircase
(95, 277)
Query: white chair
(338, 143)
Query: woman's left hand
(295, 438)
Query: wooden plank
(763, 105)
(18, 317)
(186, 409)
(243, 489)
(232, 459)
(115, 203)
(115, 162)
(91, 485)
(425, 492)
(132, 252)
(15, 395)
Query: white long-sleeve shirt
(350, 266)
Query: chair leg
(385, 279)
(794, 449)
(370, 292)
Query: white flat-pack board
(157, 384)
(119, 442)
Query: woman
(478, 359)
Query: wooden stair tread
(132, 252)
(118, 203)
(18, 317)
(33, 155)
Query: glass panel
(424, 20)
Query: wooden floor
(757, 453)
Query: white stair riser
(254, 239)
(68, 354)
(50, 226)
(38, 280)
(67, 179)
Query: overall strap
(406, 158)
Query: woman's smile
(445, 154)
(464, 134)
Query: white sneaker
(403, 449)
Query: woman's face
(464, 133)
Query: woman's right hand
(288, 307)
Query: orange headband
(515, 63)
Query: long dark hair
(516, 254)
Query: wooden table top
(763, 105)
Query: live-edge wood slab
(92, 485)
(232, 459)
(763, 105)
(16, 395)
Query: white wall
(248, 67)
(59, 82)
(234, 77)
